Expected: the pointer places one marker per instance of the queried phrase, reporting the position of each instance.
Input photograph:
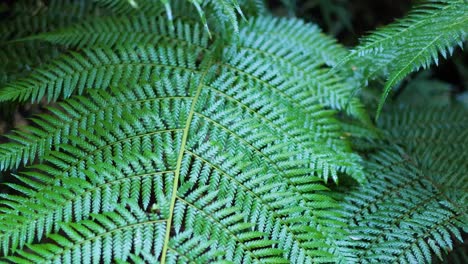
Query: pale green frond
(431, 29)
(99, 238)
(97, 68)
(414, 208)
(211, 13)
(254, 38)
(111, 31)
(87, 69)
(215, 138)
(196, 167)
(291, 44)
(402, 215)
(84, 114)
(169, 143)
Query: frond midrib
(180, 158)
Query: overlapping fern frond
(433, 27)
(438, 137)
(229, 141)
(101, 237)
(212, 13)
(415, 204)
(98, 68)
(405, 215)
(168, 143)
(26, 18)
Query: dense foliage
(191, 131)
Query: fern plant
(194, 132)
(432, 27)
(414, 205)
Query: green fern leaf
(97, 68)
(30, 17)
(102, 237)
(144, 30)
(402, 215)
(214, 143)
(110, 31)
(415, 204)
(169, 143)
(432, 28)
(209, 11)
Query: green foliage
(31, 17)
(415, 203)
(223, 12)
(434, 27)
(193, 132)
(406, 213)
(103, 237)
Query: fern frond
(290, 43)
(111, 31)
(290, 71)
(402, 215)
(432, 28)
(20, 59)
(69, 197)
(438, 137)
(97, 68)
(415, 204)
(81, 113)
(100, 238)
(304, 37)
(197, 164)
(30, 17)
(168, 146)
(239, 150)
(210, 12)
(255, 40)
